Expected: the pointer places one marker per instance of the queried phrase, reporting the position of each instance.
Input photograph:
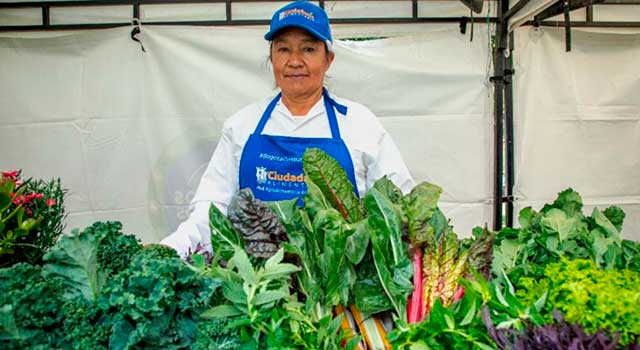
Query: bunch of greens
(31, 217)
(155, 303)
(460, 326)
(561, 230)
(115, 250)
(584, 293)
(29, 309)
(343, 239)
(558, 335)
(218, 333)
(256, 293)
(99, 289)
(440, 260)
(456, 327)
(260, 310)
(337, 240)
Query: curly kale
(615, 215)
(29, 317)
(84, 327)
(116, 250)
(158, 251)
(155, 304)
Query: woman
(261, 146)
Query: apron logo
(261, 174)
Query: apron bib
(271, 166)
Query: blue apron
(271, 166)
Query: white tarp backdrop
(130, 132)
(577, 119)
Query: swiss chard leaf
(332, 180)
(224, 237)
(333, 261)
(389, 253)
(357, 241)
(389, 189)
(419, 206)
(368, 294)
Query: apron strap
(330, 105)
(266, 114)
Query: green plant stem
(4, 220)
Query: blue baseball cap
(305, 15)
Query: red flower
(32, 196)
(17, 200)
(26, 199)
(11, 174)
(51, 202)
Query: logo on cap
(299, 12)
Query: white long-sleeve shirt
(373, 152)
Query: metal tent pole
(498, 135)
(508, 103)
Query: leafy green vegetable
(224, 237)
(258, 225)
(559, 335)
(84, 326)
(443, 329)
(319, 237)
(74, 259)
(368, 294)
(29, 309)
(252, 294)
(389, 252)
(217, 334)
(595, 298)
(560, 230)
(326, 173)
(158, 251)
(155, 303)
(616, 216)
(335, 268)
(389, 190)
(419, 206)
(115, 249)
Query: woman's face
(299, 62)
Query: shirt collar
(316, 110)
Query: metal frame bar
(242, 22)
(586, 24)
(517, 7)
(229, 21)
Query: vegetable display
(331, 271)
